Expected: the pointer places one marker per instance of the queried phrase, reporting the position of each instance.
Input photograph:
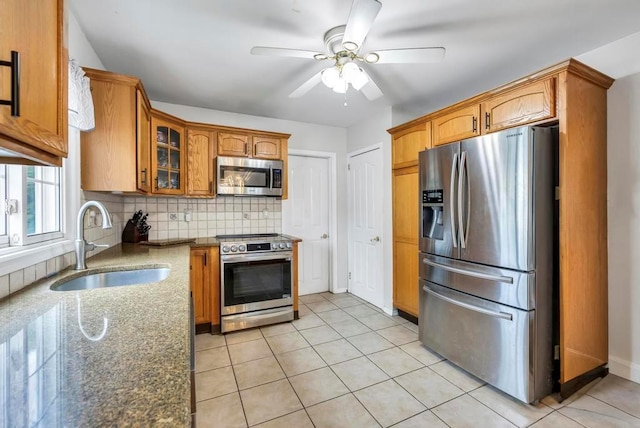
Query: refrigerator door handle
(479, 275)
(452, 204)
(464, 228)
(502, 315)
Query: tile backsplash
(167, 218)
(207, 217)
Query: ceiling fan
(343, 46)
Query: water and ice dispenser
(432, 214)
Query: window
(31, 197)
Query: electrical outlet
(173, 216)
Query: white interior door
(365, 226)
(305, 214)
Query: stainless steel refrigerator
(486, 257)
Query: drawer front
(489, 340)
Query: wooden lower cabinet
(204, 279)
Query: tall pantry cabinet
(572, 97)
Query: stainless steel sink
(111, 279)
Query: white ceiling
(196, 52)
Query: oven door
(251, 282)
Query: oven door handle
(235, 258)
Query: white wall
(623, 135)
(369, 132)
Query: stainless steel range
(256, 277)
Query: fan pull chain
(345, 98)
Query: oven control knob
(225, 249)
(274, 246)
(288, 244)
(281, 245)
(242, 248)
(234, 248)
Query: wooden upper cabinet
(143, 128)
(200, 161)
(456, 125)
(408, 143)
(34, 127)
(168, 152)
(531, 103)
(233, 144)
(266, 147)
(116, 151)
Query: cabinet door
(168, 157)
(456, 125)
(200, 282)
(531, 103)
(405, 239)
(35, 30)
(266, 148)
(408, 143)
(200, 158)
(143, 129)
(108, 153)
(233, 144)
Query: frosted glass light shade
(330, 76)
(341, 86)
(350, 72)
(359, 80)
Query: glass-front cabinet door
(168, 156)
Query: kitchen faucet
(83, 246)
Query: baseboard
(340, 290)
(623, 368)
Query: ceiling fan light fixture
(350, 71)
(330, 76)
(341, 86)
(371, 58)
(360, 79)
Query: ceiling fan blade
(291, 53)
(370, 89)
(307, 86)
(361, 17)
(410, 55)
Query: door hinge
(349, 275)
(557, 193)
(349, 166)
(556, 352)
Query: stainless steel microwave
(249, 177)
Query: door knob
(324, 236)
(376, 239)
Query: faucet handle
(90, 246)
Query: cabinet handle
(14, 65)
(487, 116)
(156, 183)
(211, 187)
(245, 149)
(144, 180)
(205, 258)
(474, 124)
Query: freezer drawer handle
(502, 315)
(489, 277)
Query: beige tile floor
(345, 363)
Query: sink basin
(111, 279)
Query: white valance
(81, 113)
